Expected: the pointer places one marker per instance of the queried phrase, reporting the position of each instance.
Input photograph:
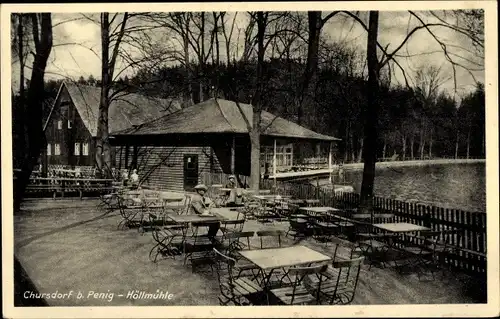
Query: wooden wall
(163, 166)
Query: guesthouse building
(71, 127)
(196, 143)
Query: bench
(69, 185)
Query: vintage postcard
(306, 159)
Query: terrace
(68, 244)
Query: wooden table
(272, 197)
(400, 227)
(272, 258)
(194, 218)
(321, 209)
(318, 211)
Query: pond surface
(458, 186)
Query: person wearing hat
(200, 204)
(235, 197)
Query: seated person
(134, 179)
(125, 177)
(201, 204)
(235, 197)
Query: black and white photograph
(336, 155)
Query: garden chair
(339, 284)
(323, 229)
(179, 209)
(236, 242)
(233, 225)
(444, 249)
(131, 212)
(298, 227)
(372, 244)
(298, 293)
(236, 290)
(250, 206)
(422, 255)
(272, 236)
(169, 240)
(198, 247)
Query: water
(457, 186)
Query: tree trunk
(404, 147)
(35, 137)
(346, 146)
(370, 118)
(430, 146)
(103, 155)
(257, 109)
(468, 143)
(353, 151)
(20, 142)
(217, 49)
(383, 149)
(254, 160)
(412, 146)
(360, 158)
(308, 78)
(187, 62)
(456, 147)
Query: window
(70, 124)
(284, 155)
(59, 125)
(49, 149)
(77, 149)
(85, 149)
(57, 149)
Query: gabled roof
(125, 111)
(221, 116)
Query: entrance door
(190, 171)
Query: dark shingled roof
(221, 116)
(125, 111)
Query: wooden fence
(471, 253)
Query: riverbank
(416, 163)
(392, 164)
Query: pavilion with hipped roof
(222, 125)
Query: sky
(77, 47)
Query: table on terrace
(270, 197)
(318, 211)
(195, 218)
(270, 259)
(401, 227)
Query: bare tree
(41, 24)
(227, 34)
(429, 79)
(374, 66)
(103, 148)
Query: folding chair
(233, 225)
(340, 283)
(235, 290)
(169, 240)
(323, 229)
(132, 214)
(422, 256)
(372, 244)
(270, 234)
(298, 227)
(298, 293)
(198, 247)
